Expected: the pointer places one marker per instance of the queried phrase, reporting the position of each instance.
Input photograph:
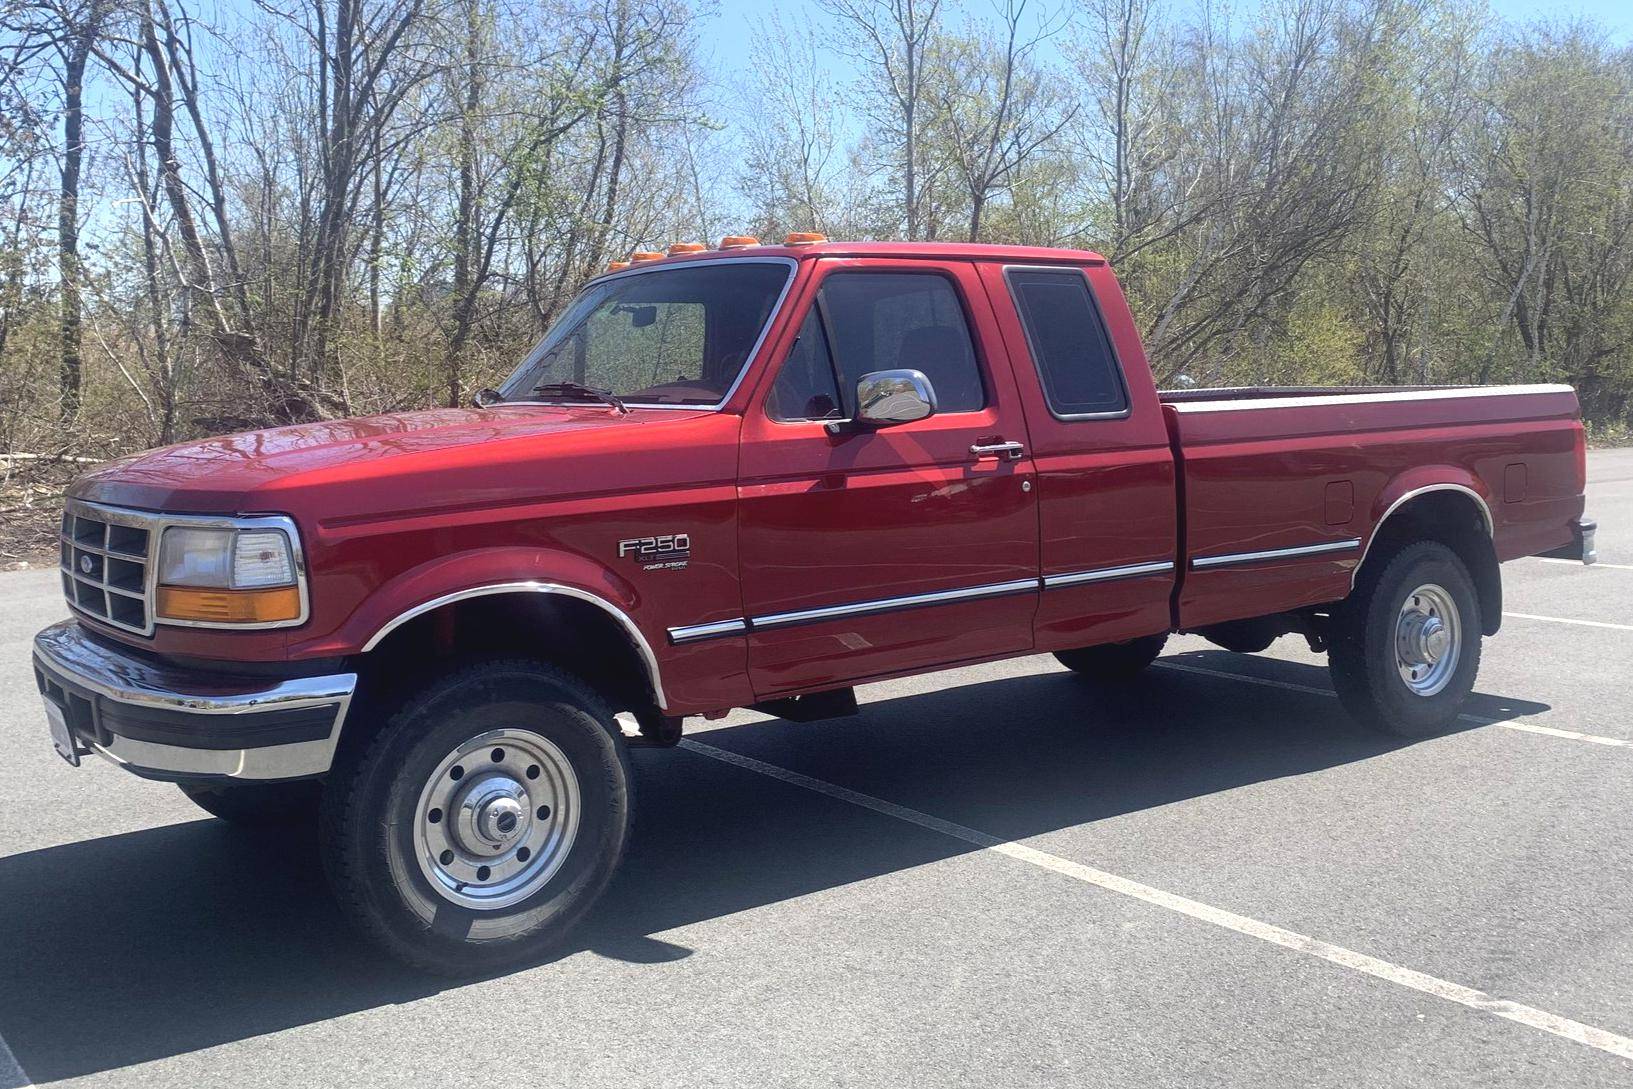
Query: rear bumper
(1581, 546)
(167, 723)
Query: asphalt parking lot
(992, 876)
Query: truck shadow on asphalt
(142, 946)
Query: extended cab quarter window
(1069, 345)
(878, 321)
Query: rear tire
(256, 805)
(1114, 663)
(483, 821)
(1405, 644)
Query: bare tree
(68, 31)
(1552, 143)
(893, 40)
(794, 171)
(995, 107)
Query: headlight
(227, 576)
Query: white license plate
(61, 739)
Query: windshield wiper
(574, 389)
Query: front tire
(483, 821)
(1114, 663)
(1406, 644)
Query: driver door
(870, 552)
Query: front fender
(467, 574)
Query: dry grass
(30, 507)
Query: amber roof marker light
(738, 241)
(803, 238)
(686, 247)
(640, 256)
(617, 266)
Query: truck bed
(1283, 487)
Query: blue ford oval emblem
(86, 564)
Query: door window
(877, 321)
(805, 388)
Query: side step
(837, 703)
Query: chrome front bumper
(167, 723)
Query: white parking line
(1589, 566)
(1479, 720)
(12, 1074)
(1575, 1031)
(1568, 620)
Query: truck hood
(252, 471)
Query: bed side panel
(1316, 473)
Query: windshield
(675, 336)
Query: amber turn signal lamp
(640, 256)
(803, 238)
(738, 241)
(617, 266)
(687, 247)
(229, 606)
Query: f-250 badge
(669, 551)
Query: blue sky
(731, 23)
(1616, 15)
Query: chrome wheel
(1428, 639)
(496, 819)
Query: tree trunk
(70, 371)
(465, 215)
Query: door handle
(1011, 450)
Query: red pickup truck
(752, 476)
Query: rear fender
(1478, 550)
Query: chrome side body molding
(693, 632)
(891, 604)
(1232, 559)
(742, 625)
(1107, 574)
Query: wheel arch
(626, 625)
(1452, 512)
(567, 626)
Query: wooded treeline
(215, 216)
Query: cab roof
(964, 251)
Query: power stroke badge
(669, 551)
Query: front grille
(105, 558)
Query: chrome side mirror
(894, 397)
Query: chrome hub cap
(1428, 639)
(496, 819)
